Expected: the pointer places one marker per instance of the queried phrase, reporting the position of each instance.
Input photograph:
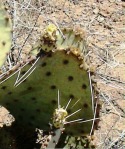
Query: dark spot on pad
(82, 131)
(54, 141)
(9, 93)
(3, 43)
(23, 72)
(6, 20)
(3, 87)
(32, 117)
(53, 87)
(57, 124)
(15, 100)
(70, 78)
(69, 111)
(71, 96)
(85, 105)
(84, 86)
(38, 110)
(65, 61)
(54, 46)
(54, 102)
(48, 73)
(30, 88)
(22, 109)
(43, 64)
(33, 98)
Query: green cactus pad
(5, 34)
(56, 71)
(33, 102)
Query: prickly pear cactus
(5, 34)
(32, 98)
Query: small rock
(100, 19)
(112, 1)
(5, 117)
(96, 11)
(104, 13)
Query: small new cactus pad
(64, 39)
(57, 94)
(5, 34)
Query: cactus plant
(5, 34)
(33, 99)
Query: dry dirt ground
(104, 24)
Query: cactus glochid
(59, 65)
(5, 34)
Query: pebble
(100, 19)
(112, 1)
(96, 11)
